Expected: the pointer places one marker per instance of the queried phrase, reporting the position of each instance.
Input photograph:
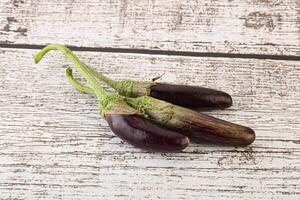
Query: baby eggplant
(182, 95)
(193, 124)
(146, 135)
(122, 118)
(208, 128)
(123, 115)
(190, 96)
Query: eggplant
(124, 120)
(182, 95)
(193, 124)
(121, 113)
(190, 96)
(211, 129)
(146, 135)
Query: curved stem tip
(83, 69)
(76, 84)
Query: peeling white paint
(55, 145)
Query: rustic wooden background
(54, 144)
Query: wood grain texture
(54, 145)
(240, 26)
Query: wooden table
(54, 144)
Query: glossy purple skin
(191, 96)
(211, 129)
(146, 135)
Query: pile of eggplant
(155, 116)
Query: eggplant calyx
(115, 104)
(157, 77)
(128, 88)
(162, 110)
(124, 87)
(141, 88)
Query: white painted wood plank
(252, 26)
(54, 145)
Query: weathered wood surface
(54, 145)
(240, 26)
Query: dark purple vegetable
(144, 134)
(190, 96)
(182, 95)
(193, 124)
(208, 128)
(122, 118)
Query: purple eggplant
(211, 129)
(182, 95)
(122, 118)
(190, 96)
(193, 124)
(146, 135)
(123, 115)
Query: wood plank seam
(159, 52)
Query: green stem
(81, 67)
(112, 83)
(123, 87)
(141, 103)
(76, 84)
